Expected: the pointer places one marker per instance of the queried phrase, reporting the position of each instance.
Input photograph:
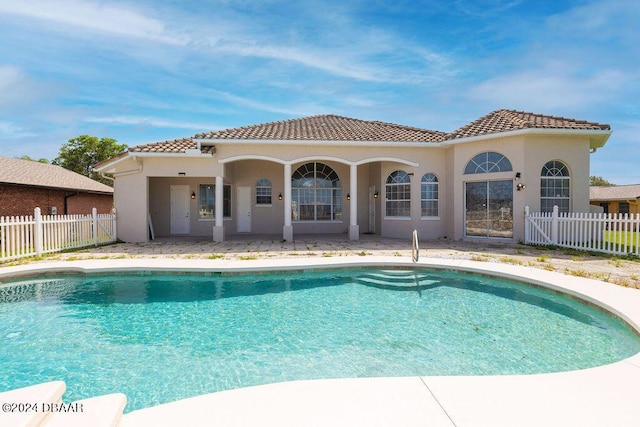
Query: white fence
(609, 233)
(26, 236)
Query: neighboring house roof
(27, 172)
(616, 192)
(330, 127)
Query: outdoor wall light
(280, 196)
(520, 186)
(375, 195)
(182, 174)
(348, 196)
(517, 176)
(193, 195)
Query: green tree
(41, 160)
(83, 152)
(599, 182)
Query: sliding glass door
(489, 209)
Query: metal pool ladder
(415, 250)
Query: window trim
(264, 184)
(561, 174)
(628, 208)
(314, 171)
(483, 165)
(392, 182)
(226, 202)
(435, 182)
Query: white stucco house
(331, 174)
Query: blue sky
(151, 70)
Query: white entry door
(180, 221)
(244, 209)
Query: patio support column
(287, 229)
(354, 228)
(218, 228)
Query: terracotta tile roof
(171, 146)
(26, 172)
(330, 127)
(508, 120)
(616, 192)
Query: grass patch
(577, 272)
(543, 258)
(622, 238)
(247, 257)
(616, 262)
(509, 260)
(215, 256)
(602, 276)
(623, 282)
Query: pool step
(27, 403)
(397, 278)
(101, 411)
(41, 406)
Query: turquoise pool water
(159, 338)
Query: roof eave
(57, 187)
(615, 199)
(132, 155)
(336, 143)
(597, 137)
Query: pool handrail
(415, 250)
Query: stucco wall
(131, 203)
(573, 152)
(527, 154)
(430, 161)
(512, 148)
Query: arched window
(316, 194)
(488, 162)
(555, 187)
(429, 195)
(398, 194)
(263, 192)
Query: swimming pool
(159, 338)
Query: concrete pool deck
(612, 269)
(601, 396)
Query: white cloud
(11, 130)
(147, 121)
(94, 16)
(265, 106)
(9, 76)
(355, 55)
(18, 89)
(544, 90)
(484, 8)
